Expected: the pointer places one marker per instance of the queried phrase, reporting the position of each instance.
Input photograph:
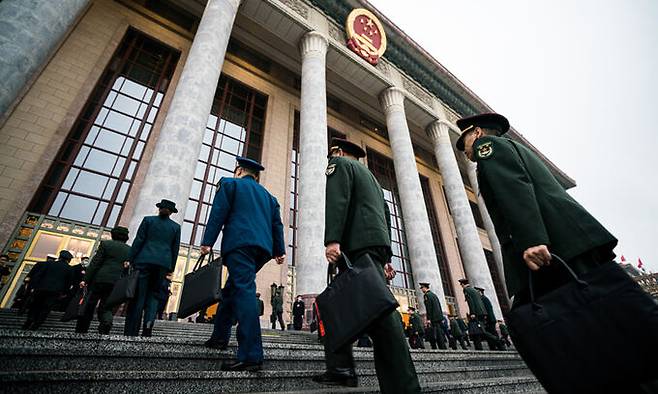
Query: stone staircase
(57, 360)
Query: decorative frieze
(337, 33)
(298, 6)
(383, 67)
(417, 92)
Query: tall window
(382, 168)
(436, 237)
(93, 171)
(294, 185)
(475, 210)
(497, 281)
(234, 128)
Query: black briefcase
(352, 301)
(77, 305)
(124, 289)
(202, 287)
(595, 334)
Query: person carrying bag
(357, 225)
(578, 321)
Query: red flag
(623, 259)
(639, 263)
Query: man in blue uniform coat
(153, 253)
(252, 235)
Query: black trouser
(506, 339)
(416, 341)
(98, 293)
(492, 339)
(43, 301)
(145, 301)
(477, 341)
(439, 335)
(453, 342)
(162, 305)
(395, 369)
(432, 342)
(298, 322)
(277, 316)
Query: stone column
(171, 169)
(470, 247)
(488, 224)
(311, 264)
(30, 31)
(416, 223)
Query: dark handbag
(124, 289)
(202, 287)
(77, 305)
(352, 301)
(597, 333)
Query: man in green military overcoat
(105, 270)
(457, 334)
(357, 223)
(533, 214)
(415, 329)
(434, 315)
(476, 307)
(490, 321)
(277, 307)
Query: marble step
(19, 339)
(513, 385)
(219, 381)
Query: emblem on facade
(365, 35)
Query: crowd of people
(446, 330)
(520, 192)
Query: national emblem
(365, 35)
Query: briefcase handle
(332, 268)
(127, 270)
(557, 258)
(201, 258)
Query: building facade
(116, 104)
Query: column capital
(437, 130)
(391, 97)
(313, 43)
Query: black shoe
(147, 332)
(216, 344)
(242, 366)
(347, 379)
(27, 325)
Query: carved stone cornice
(298, 6)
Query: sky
(577, 78)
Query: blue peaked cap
(249, 163)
